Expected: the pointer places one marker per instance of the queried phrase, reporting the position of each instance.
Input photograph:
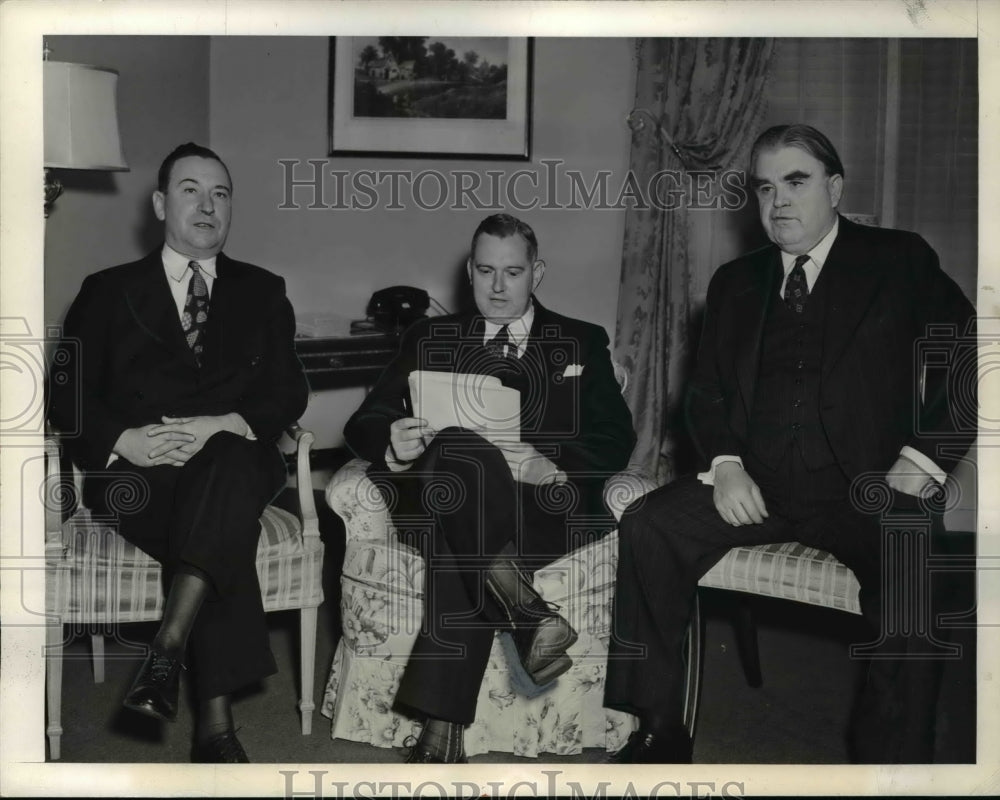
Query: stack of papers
(476, 402)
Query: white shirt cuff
(249, 434)
(393, 464)
(708, 478)
(926, 464)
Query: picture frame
(430, 97)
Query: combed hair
(805, 137)
(184, 151)
(504, 225)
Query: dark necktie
(796, 288)
(497, 343)
(195, 316)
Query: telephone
(398, 306)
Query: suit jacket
(129, 364)
(885, 287)
(579, 421)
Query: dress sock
(444, 740)
(187, 592)
(215, 716)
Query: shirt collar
(176, 265)
(819, 253)
(519, 328)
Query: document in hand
(476, 402)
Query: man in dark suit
(487, 513)
(806, 381)
(186, 376)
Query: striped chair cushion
(790, 571)
(100, 577)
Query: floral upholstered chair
(382, 608)
(382, 586)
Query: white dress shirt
(179, 275)
(518, 330)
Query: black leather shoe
(642, 747)
(419, 754)
(154, 691)
(224, 748)
(539, 634)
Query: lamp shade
(81, 117)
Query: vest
(786, 395)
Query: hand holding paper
(409, 437)
(475, 402)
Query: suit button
(796, 426)
(800, 365)
(797, 404)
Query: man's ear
(836, 189)
(537, 272)
(159, 207)
(468, 268)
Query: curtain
(698, 103)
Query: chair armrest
(358, 502)
(62, 493)
(624, 488)
(303, 479)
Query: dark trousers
(204, 518)
(461, 506)
(672, 537)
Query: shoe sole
(149, 711)
(542, 679)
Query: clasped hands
(410, 436)
(175, 440)
(738, 499)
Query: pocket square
(573, 371)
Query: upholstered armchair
(96, 580)
(382, 608)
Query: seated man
(806, 384)
(187, 376)
(488, 514)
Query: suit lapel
(224, 302)
(152, 306)
(854, 279)
(749, 312)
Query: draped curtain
(698, 103)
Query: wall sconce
(81, 121)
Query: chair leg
(746, 642)
(53, 685)
(97, 650)
(693, 652)
(307, 657)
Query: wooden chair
(95, 580)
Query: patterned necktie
(497, 344)
(195, 316)
(796, 288)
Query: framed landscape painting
(433, 96)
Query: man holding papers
(491, 435)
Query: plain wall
(269, 102)
(106, 218)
